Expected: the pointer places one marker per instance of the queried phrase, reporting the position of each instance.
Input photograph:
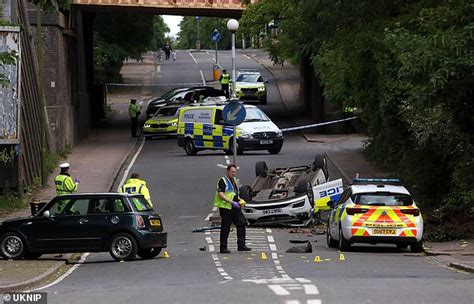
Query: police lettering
(330, 192)
(189, 116)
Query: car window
(382, 199)
(218, 119)
(247, 78)
(108, 205)
(255, 114)
(76, 207)
(140, 204)
(58, 206)
(167, 112)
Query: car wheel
(302, 186)
(12, 246)
(344, 245)
(263, 101)
(245, 192)
(275, 150)
(123, 247)
(320, 162)
(402, 246)
(32, 255)
(189, 147)
(148, 137)
(149, 253)
(329, 240)
(417, 247)
(240, 151)
(261, 169)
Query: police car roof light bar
(392, 181)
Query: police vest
(133, 110)
(229, 193)
(136, 186)
(225, 79)
(64, 184)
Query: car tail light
(414, 212)
(352, 211)
(140, 221)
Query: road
(182, 189)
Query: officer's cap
(64, 165)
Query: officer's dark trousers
(228, 217)
(134, 125)
(225, 89)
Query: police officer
(135, 185)
(64, 182)
(225, 78)
(134, 112)
(227, 200)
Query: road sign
(197, 17)
(215, 36)
(234, 113)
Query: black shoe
(225, 251)
(244, 248)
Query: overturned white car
(288, 195)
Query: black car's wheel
(189, 147)
(275, 150)
(263, 101)
(12, 246)
(148, 253)
(261, 169)
(303, 186)
(329, 240)
(32, 255)
(344, 245)
(123, 247)
(417, 247)
(245, 192)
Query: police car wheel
(329, 240)
(12, 246)
(190, 148)
(275, 150)
(417, 247)
(240, 151)
(123, 247)
(303, 186)
(344, 245)
(263, 101)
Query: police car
(202, 127)
(288, 195)
(251, 85)
(163, 123)
(375, 211)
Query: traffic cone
(263, 256)
(165, 254)
(342, 257)
(317, 259)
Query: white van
(203, 127)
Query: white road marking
(273, 247)
(302, 280)
(269, 230)
(215, 257)
(190, 54)
(220, 269)
(227, 160)
(313, 301)
(214, 209)
(279, 267)
(83, 258)
(212, 248)
(279, 290)
(310, 289)
(274, 255)
(222, 166)
(209, 240)
(271, 239)
(202, 77)
(125, 174)
(292, 302)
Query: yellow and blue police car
(203, 127)
(375, 211)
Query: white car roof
(370, 188)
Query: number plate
(266, 142)
(384, 231)
(272, 211)
(155, 223)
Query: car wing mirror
(331, 204)
(46, 213)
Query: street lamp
(232, 26)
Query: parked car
(163, 123)
(125, 225)
(251, 85)
(288, 195)
(375, 211)
(181, 95)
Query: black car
(179, 96)
(122, 224)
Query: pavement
(100, 161)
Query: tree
(188, 34)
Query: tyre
(320, 162)
(329, 240)
(275, 150)
(417, 247)
(32, 255)
(189, 147)
(263, 101)
(302, 186)
(148, 137)
(344, 245)
(240, 151)
(402, 246)
(245, 192)
(261, 169)
(148, 253)
(12, 246)
(123, 247)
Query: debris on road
(203, 229)
(301, 249)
